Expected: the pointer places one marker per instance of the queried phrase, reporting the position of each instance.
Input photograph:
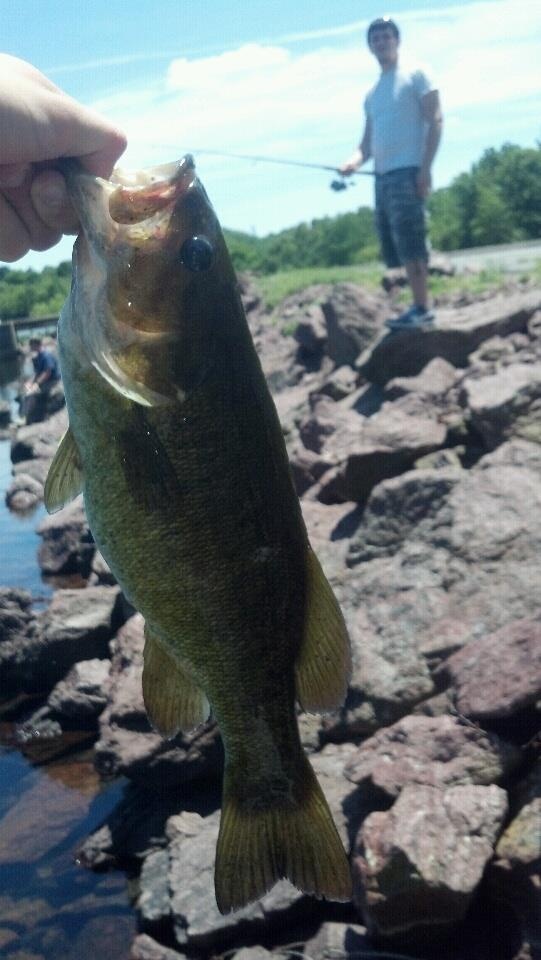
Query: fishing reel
(342, 184)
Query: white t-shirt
(393, 106)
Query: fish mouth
(131, 207)
(138, 197)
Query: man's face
(384, 44)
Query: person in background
(46, 375)
(403, 123)
(39, 123)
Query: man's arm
(361, 155)
(431, 113)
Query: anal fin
(323, 666)
(65, 478)
(173, 700)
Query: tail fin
(298, 841)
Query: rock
(5, 414)
(353, 317)
(340, 384)
(498, 674)
(77, 625)
(418, 864)
(320, 424)
(68, 546)
(16, 613)
(430, 751)
(198, 924)
(253, 953)
(458, 562)
(127, 743)
(329, 765)
(434, 380)
(154, 896)
(39, 440)
(368, 450)
(454, 336)
(307, 467)
(83, 692)
(37, 469)
(145, 948)
(311, 333)
(101, 574)
(515, 874)
(506, 404)
(23, 493)
(340, 940)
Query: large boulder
(77, 625)
(419, 864)
(498, 674)
(431, 751)
(506, 403)
(456, 334)
(367, 450)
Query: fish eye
(196, 254)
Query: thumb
(51, 202)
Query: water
(51, 908)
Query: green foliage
(27, 293)
(327, 242)
(498, 201)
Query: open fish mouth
(141, 195)
(134, 207)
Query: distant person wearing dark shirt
(46, 375)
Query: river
(50, 907)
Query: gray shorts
(400, 217)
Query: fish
(176, 445)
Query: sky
(278, 79)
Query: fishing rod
(335, 185)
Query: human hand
(423, 183)
(39, 123)
(30, 387)
(351, 165)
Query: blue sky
(281, 79)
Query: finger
(79, 132)
(14, 237)
(51, 203)
(13, 174)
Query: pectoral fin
(323, 666)
(173, 700)
(65, 478)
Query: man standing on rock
(402, 133)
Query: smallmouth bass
(175, 443)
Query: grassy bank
(275, 287)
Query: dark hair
(379, 24)
(37, 341)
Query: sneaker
(411, 319)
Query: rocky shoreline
(417, 457)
